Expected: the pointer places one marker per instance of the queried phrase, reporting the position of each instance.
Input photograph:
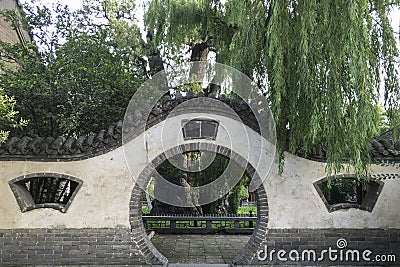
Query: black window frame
(367, 203)
(24, 197)
(203, 122)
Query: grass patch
(145, 210)
(246, 210)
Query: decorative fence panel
(206, 224)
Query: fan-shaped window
(45, 190)
(199, 129)
(345, 191)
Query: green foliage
(206, 176)
(243, 193)
(390, 164)
(7, 115)
(145, 210)
(328, 73)
(87, 66)
(320, 64)
(383, 121)
(238, 193)
(179, 23)
(338, 190)
(246, 210)
(195, 179)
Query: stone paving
(210, 249)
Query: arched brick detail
(152, 255)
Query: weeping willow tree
(324, 65)
(198, 25)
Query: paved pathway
(216, 249)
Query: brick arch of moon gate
(151, 254)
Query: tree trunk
(199, 53)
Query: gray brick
(68, 246)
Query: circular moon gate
(145, 100)
(152, 255)
(146, 147)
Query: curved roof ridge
(382, 148)
(103, 141)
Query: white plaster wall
(103, 200)
(167, 135)
(295, 203)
